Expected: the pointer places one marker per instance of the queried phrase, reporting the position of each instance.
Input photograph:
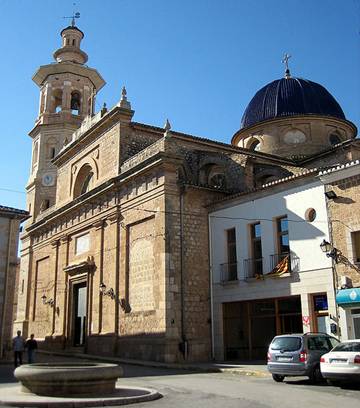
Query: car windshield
(286, 343)
(351, 346)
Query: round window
(310, 214)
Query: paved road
(230, 391)
(220, 390)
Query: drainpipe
(5, 287)
(333, 268)
(211, 291)
(183, 346)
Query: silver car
(298, 355)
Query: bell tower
(67, 96)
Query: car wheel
(278, 378)
(316, 375)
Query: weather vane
(74, 16)
(285, 61)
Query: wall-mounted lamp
(111, 293)
(46, 301)
(331, 252)
(331, 195)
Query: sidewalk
(257, 369)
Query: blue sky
(197, 62)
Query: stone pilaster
(22, 315)
(97, 298)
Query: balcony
(228, 272)
(284, 263)
(253, 268)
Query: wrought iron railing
(253, 268)
(228, 272)
(284, 263)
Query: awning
(348, 297)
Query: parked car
(292, 355)
(342, 363)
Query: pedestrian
(18, 347)
(31, 346)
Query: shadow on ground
(345, 386)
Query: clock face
(48, 180)
(294, 137)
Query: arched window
(51, 148)
(84, 181)
(254, 145)
(88, 182)
(45, 204)
(217, 181)
(334, 139)
(75, 103)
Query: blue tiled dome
(290, 97)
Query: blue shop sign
(348, 297)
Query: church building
(115, 254)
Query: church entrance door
(79, 323)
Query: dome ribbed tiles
(290, 97)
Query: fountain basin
(69, 379)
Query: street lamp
(46, 301)
(331, 252)
(110, 292)
(331, 195)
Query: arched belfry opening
(75, 103)
(57, 101)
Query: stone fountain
(73, 385)
(69, 379)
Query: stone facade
(344, 219)
(344, 226)
(10, 219)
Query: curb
(144, 363)
(187, 367)
(15, 398)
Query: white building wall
(315, 274)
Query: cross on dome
(285, 61)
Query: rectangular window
(355, 238)
(229, 270)
(256, 250)
(82, 244)
(282, 235)
(231, 245)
